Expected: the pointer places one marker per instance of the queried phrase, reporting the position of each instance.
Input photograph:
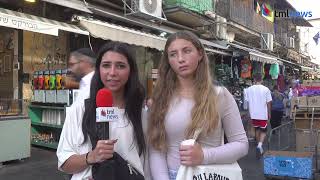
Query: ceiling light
(31, 1)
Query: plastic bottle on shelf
(46, 80)
(35, 80)
(59, 79)
(40, 80)
(52, 81)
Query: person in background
(259, 100)
(81, 67)
(81, 150)
(186, 101)
(277, 108)
(289, 95)
(147, 103)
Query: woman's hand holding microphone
(104, 150)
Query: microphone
(104, 111)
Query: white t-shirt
(257, 97)
(84, 88)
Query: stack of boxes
(306, 113)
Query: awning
(108, 31)
(306, 69)
(73, 4)
(289, 62)
(113, 32)
(215, 51)
(261, 57)
(37, 24)
(212, 47)
(256, 55)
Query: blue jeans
(172, 174)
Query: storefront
(41, 45)
(28, 44)
(245, 63)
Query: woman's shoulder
(78, 105)
(76, 111)
(221, 91)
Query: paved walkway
(42, 165)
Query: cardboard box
(316, 83)
(51, 96)
(305, 142)
(314, 101)
(306, 123)
(288, 163)
(307, 82)
(302, 124)
(299, 101)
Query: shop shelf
(52, 145)
(46, 106)
(46, 125)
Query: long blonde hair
(204, 112)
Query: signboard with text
(23, 23)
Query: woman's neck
(186, 88)
(118, 100)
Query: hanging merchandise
(235, 68)
(257, 68)
(281, 83)
(236, 72)
(266, 71)
(231, 73)
(222, 72)
(246, 68)
(262, 70)
(274, 71)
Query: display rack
(46, 123)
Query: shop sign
(293, 55)
(27, 24)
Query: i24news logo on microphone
(107, 114)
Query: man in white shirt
(259, 101)
(81, 66)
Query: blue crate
(288, 164)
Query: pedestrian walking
(186, 100)
(277, 108)
(259, 101)
(81, 67)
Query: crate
(314, 101)
(305, 143)
(303, 120)
(199, 6)
(288, 164)
(299, 101)
(315, 83)
(307, 82)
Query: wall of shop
(147, 59)
(6, 62)
(144, 61)
(43, 52)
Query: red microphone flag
(104, 98)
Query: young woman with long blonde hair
(185, 100)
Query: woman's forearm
(75, 164)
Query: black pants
(276, 117)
